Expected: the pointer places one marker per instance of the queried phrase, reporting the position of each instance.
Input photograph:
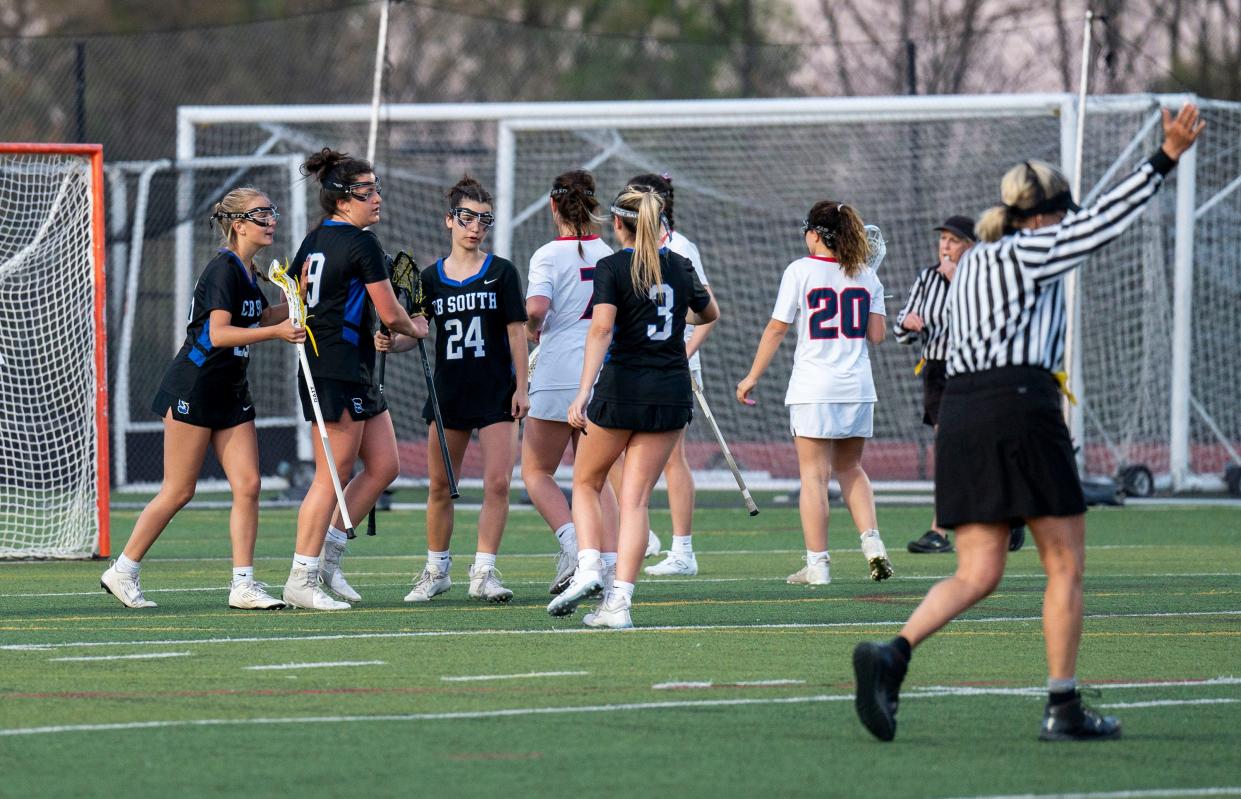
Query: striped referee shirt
(928, 299)
(1006, 302)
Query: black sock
(901, 645)
(1061, 697)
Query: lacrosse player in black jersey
(342, 267)
(643, 297)
(481, 376)
(204, 400)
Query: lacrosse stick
(878, 249)
(533, 362)
(728, 456)
(409, 289)
(297, 315)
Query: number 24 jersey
(473, 364)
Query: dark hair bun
(323, 162)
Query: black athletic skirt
(638, 417)
(361, 401)
(1003, 453)
(934, 378)
(202, 407)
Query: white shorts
(832, 419)
(552, 404)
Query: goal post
(54, 460)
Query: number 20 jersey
(473, 364)
(830, 312)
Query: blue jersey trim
(353, 311)
(337, 223)
(254, 281)
(630, 249)
(439, 265)
(202, 345)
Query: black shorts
(361, 400)
(1003, 453)
(934, 378)
(476, 417)
(640, 418)
(215, 410)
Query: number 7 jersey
(473, 364)
(831, 312)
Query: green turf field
(445, 699)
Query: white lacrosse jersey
(560, 273)
(831, 312)
(688, 250)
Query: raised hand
(1180, 133)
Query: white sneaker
(330, 573)
(876, 556)
(813, 573)
(485, 584)
(676, 563)
(566, 564)
(252, 595)
(302, 591)
(586, 583)
(125, 588)
(652, 544)
(613, 612)
(431, 583)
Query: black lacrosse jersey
(225, 284)
(341, 259)
(646, 363)
(473, 363)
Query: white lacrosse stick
(297, 315)
(728, 455)
(878, 249)
(534, 361)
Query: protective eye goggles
(359, 191)
(466, 217)
(263, 216)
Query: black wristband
(1161, 162)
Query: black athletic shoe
(931, 542)
(879, 670)
(1073, 721)
(1016, 538)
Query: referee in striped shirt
(1002, 452)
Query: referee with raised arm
(1003, 452)
(924, 319)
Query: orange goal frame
(102, 476)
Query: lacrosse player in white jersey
(837, 303)
(558, 304)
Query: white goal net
(53, 434)
(746, 172)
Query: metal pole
(1182, 318)
(79, 78)
(380, 47)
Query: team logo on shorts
(357, 404)
(183, 407)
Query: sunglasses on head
(466, 217)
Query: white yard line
(675, 686)
(1172, 702)
(1154, 793)
(527, 675)
(147, 656)
(587, 631)
(328, 665)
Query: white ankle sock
(566, 534)
(242, 574)
(609, 559)
(308, 561)
(1060, 686)
(338, 536)
(624, 589)
(683, 544)
(484, 559)
(442, 561)
(812, 556)
(588, 558)
(126, 566)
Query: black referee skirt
(1002, 452)
(934, 379)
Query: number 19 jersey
(831, 312)
(565, 276)
(473, 364)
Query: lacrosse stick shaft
(728, 455)
(439, 420)
(379, 375)
(327, 445)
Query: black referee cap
(961, 226)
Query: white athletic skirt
(832, 419)
(552, 404)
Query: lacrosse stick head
(878, 248)
(405, 280)
(278, 274)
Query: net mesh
(48, 457)
(741, 191)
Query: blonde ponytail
(640, 212)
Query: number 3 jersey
(336, 262)
(225, 284)
(831, 312)
(473, 364)
(646, 364)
